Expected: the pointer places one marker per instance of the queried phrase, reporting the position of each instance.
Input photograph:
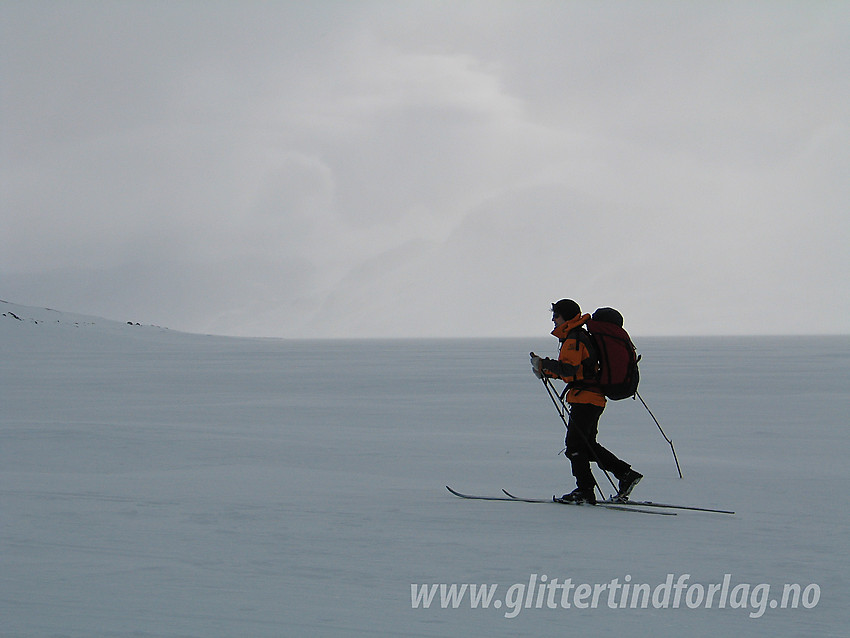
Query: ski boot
(579, 496)
(627, 484)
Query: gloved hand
(536, 365)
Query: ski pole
(561, 409)
(666, 438)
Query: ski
(511, 497)
(604, 504)
(496, 498)
(630, 503)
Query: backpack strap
(590, 366)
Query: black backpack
(618, 359)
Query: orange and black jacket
(576, 363)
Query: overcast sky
(426, 168)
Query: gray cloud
(403, 169)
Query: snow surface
(154, 483)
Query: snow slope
(154, 483)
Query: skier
(577, 365)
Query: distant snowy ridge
(28, 314)
(28, 323)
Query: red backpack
(618, 359)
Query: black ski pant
(582, 447)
